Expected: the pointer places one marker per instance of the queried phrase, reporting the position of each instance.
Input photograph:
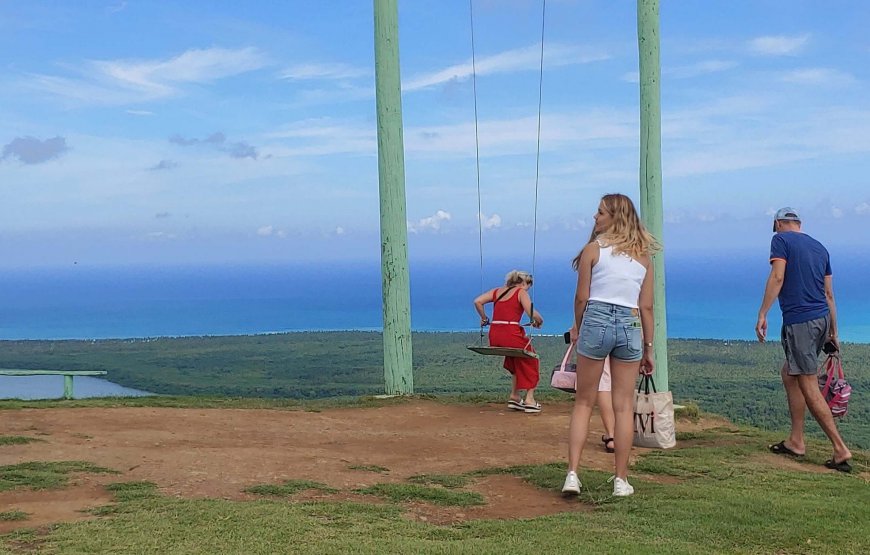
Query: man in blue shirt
(800, 276)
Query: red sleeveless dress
(525, 370)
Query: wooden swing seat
(503, 351)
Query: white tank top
(616, 278)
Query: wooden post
(651, 167)
(67, 386)
(398, 372)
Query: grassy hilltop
(737, 379)
(720, 491)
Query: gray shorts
(802, 344)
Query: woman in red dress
(509, 304)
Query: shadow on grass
(18, 440)
(289, 487)
(399, 493)
(39, 475)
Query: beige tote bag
(653, 417)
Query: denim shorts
(610, 329)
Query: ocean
(51, 387)
(707, 297)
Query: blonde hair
(626, 234)
(516, 277)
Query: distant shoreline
(342, 331)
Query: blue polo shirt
(807, 262)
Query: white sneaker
(621, 488)
(572, 484)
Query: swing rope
(538, 152)
(476, 148)
(537, 158)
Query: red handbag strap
(839, 364)
(833, 369)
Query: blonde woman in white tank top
(613, 307)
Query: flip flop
(781, 449)
(605, 440)
(842, 466)
(516, 405)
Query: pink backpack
(835, 389)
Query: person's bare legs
(623, 377)
(809, 386)
(530, 397)
(531, 377)
(516, 394)
(605, 407)
(588, 374)
(796, 410)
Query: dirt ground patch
(507, 497)
(217, 453)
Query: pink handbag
(835, 389)
(565, 375)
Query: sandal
(781, 449)
(842, 466)
(533, 408)
(605, 440)
(516, 405)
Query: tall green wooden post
(398, 373)
(651, 167)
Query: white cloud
(324, 136)
(124, 81)
(674, 216)
(519, 59)
(836, 212)
(686, 71)
(192, 66)
(270, 231)
(303, 72)
(430, 223)
(701, 68)
(606, 128)
(139, 112)
(160, 235)
(778, 45)
(489, 222)
(706, 217)
(339, 230)
(498, 137)
(862, 209)
(743, 133)
(575, 224)
(818, 76)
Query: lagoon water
(708, 297)
(51, 387)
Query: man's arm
(832, 308)
(771, 292)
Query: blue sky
(202, 132)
